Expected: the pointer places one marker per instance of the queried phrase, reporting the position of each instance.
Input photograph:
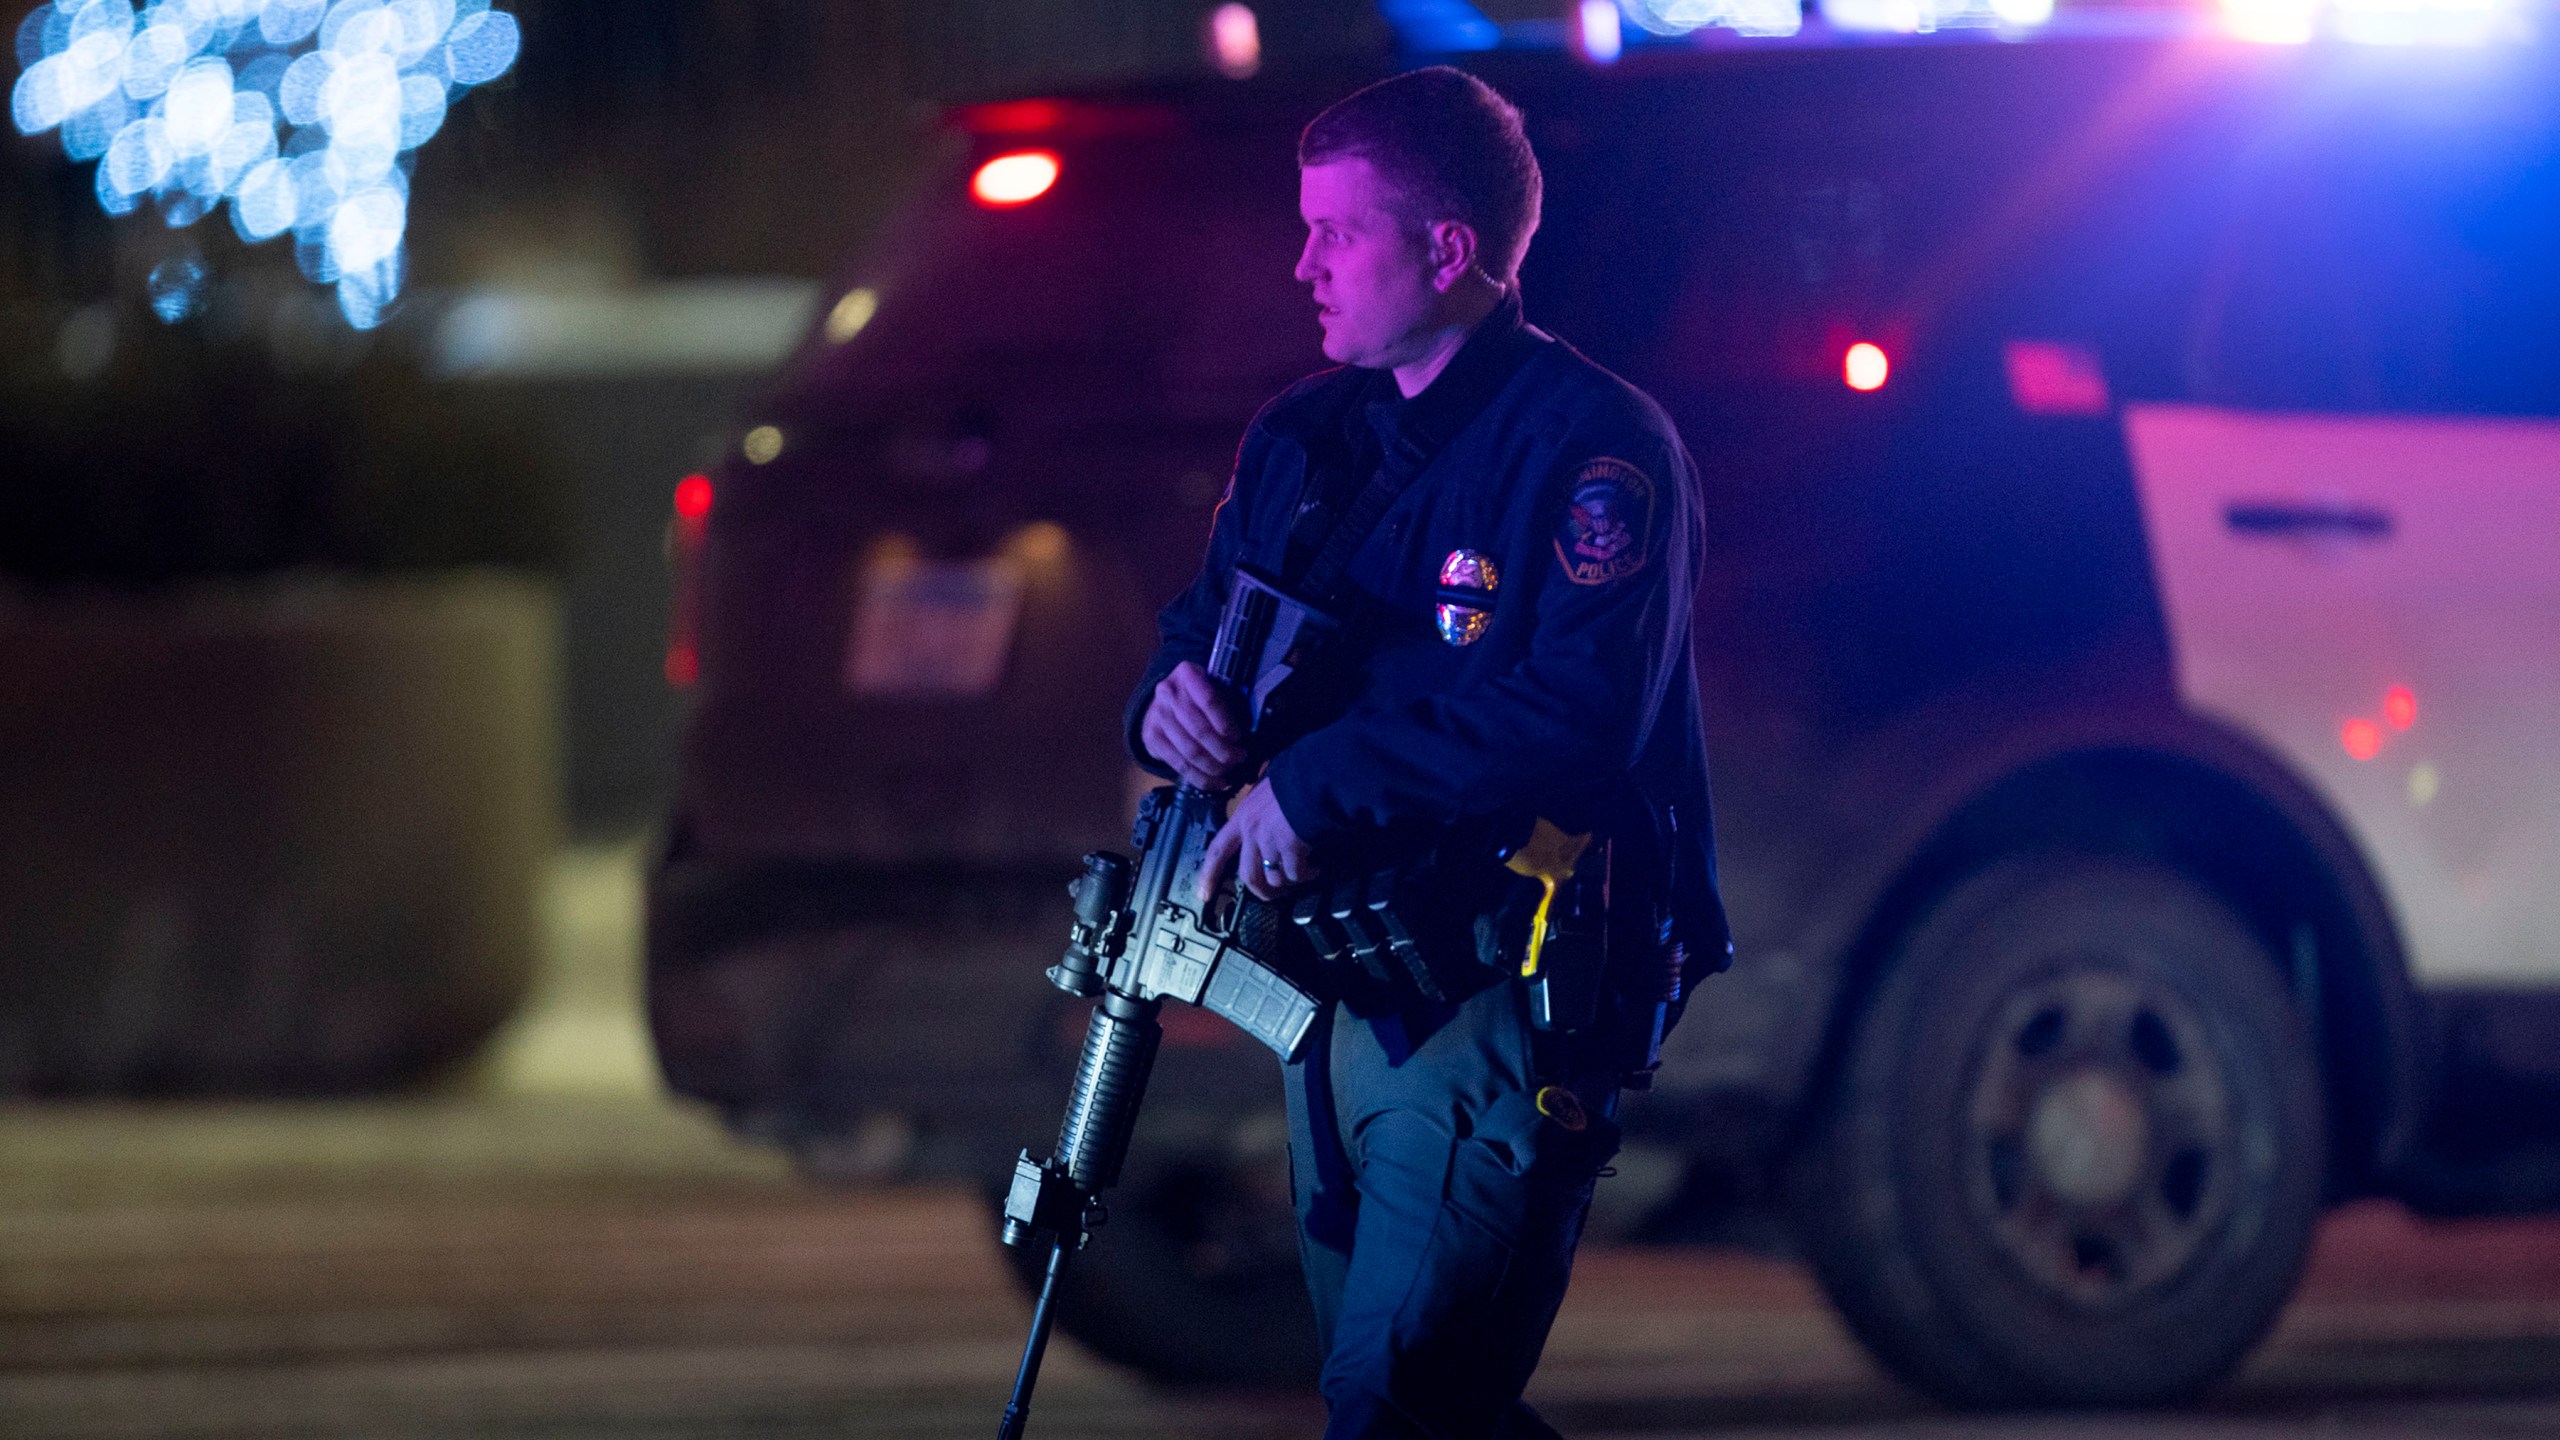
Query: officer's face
(1369, 266)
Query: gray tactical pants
(1438, 1213)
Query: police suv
(2130, 642)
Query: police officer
(1511, 533)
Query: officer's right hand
(1194, 725)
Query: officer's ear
(1452, 252)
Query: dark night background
(340, 717)
(637, 143)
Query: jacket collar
(1495, 349)
(1483, 365)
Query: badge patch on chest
(1607, 520)
(1467, 583)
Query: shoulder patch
(1608, 518)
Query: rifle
(1142, 936)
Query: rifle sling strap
(1409, 450)
(1324, 572)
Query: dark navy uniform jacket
(1578, 702)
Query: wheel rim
(2100, 1148)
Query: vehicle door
(2358, 541)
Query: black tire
(2073, 1155)
(1194, 1279)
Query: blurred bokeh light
(302, 114)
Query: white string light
(1743, 17)
(304, 115)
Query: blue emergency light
(1601, 31)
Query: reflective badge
(1467, 583)
(1606, 523)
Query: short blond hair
(1452, 146)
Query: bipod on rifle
(1059, 1199)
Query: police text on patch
(1607, 520)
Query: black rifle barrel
(1093, 1143)
(1017, 1411)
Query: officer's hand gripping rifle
(1141, 936)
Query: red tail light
(1015, 179)
(1865, 366)
(684, 559)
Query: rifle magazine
(1261, 1002)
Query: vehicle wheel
(1195, 1277)
(2074, 1153)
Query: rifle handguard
(1119, 1051)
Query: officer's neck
(1462, 310)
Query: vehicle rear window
(1157, 268)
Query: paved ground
(548, 1251)
(557, 1266)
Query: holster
(1604, 986)
(1607, 976)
